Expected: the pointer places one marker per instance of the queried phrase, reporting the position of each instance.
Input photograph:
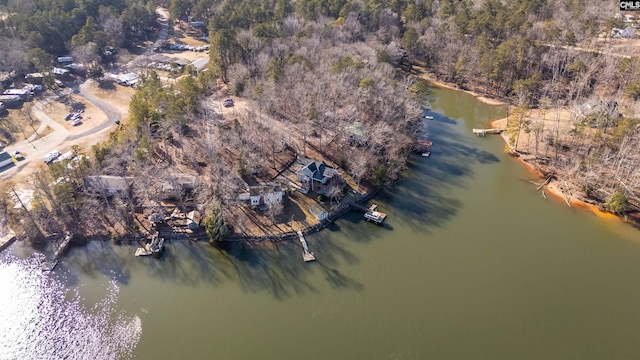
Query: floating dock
(306, 254)
(483, 132)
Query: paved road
(37, 149)
(113, 114)
(163, 20)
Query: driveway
(35, 150)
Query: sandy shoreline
(432, 79)
(554, 187)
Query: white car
(77, 121)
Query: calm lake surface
(472, 263)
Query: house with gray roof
(317, 176)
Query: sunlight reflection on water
(41, 319)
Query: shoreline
(426, 75)
(554, 188)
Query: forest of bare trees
(329, 77)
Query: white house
(264, 194)
(5, 159)
(105, 185)
(319, 212)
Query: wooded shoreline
(552, 186)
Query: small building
(5, 159)
(175, 186)
(60, 72)
(197, 24)
(128, 79)
(318, 212)
(24, 94)
(316, 176)
(180, 62)
(201, 64)
(193, 219)
(11, 101)
(595, 108)
(262, 195)
(34, 78)
(34, 89)
(65, 60)
(76, 68)
(107, 186)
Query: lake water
(472, 263)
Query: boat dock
(59, 248)
(306, 254)
(483, 132)
(154, 247)
(371, 213)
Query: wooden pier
(59, 248)
(483, 132)
(306, 254)
(154, 247)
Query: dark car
(228, 103)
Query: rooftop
(4, 156)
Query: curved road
(37, 149)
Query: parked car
(228, 103)
(77, 121)
(68, 116)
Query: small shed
(5, 159)
(201, 64)
(63, 60)
(11, 101)
(318, 212)
(193, 219)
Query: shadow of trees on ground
(423, 200)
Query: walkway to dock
(306, 254)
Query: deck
(154, 247)
(306, 254)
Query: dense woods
(333, 77)
(33, 32)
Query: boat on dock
(155, 247)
